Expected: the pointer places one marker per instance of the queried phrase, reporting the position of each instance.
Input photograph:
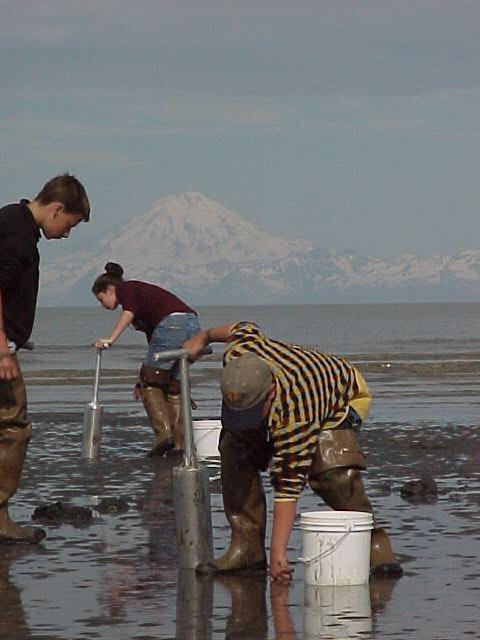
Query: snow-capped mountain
(208, 254)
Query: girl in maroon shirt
(167, 323)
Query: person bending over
(167, 322)
(295, 411)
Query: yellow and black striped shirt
(314, 391)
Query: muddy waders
(244, 504)
(15, 434)
(174, 402)
(159, 415)
(160, 392)
(336, 477)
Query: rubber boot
(174, 403)
(13, 533)
(343, 489)
(15, 434)
(245, 509)
(383, 561)
(158, 412)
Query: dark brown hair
(112, 276)
(69, 191)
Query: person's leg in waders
(15, 434)
(243, 455)
(335, 476)
(169, 334)
(154, 384)
(174, 402)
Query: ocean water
(118, 576)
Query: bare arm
(8, 365)
(283, 517)
(203, 338)
(122, 323)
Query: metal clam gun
(190, 482)
(92, 423)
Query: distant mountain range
(207, 254)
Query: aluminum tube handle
(92, 422)
(192, 495)
(177, 354)
(189, 456)
(174, 354)
(96, 383)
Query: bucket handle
(324, 554)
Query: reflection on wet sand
(340, 611)
(159, 495)
(13, 623)
(248, 614)
(118, 576)
(194, 606)
(282, 619)
(328, 612)
(243, 617)
(127, 560)
(381, 591)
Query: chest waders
(335, 476)
(154, 384)
(15, 434)
(158, 412)
(244, 504)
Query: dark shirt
(19, 267)
(149, 304)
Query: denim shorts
(170, 333)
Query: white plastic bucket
(206, 434)
(336, 547)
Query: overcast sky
(354, 124)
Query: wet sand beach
(117, 575)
